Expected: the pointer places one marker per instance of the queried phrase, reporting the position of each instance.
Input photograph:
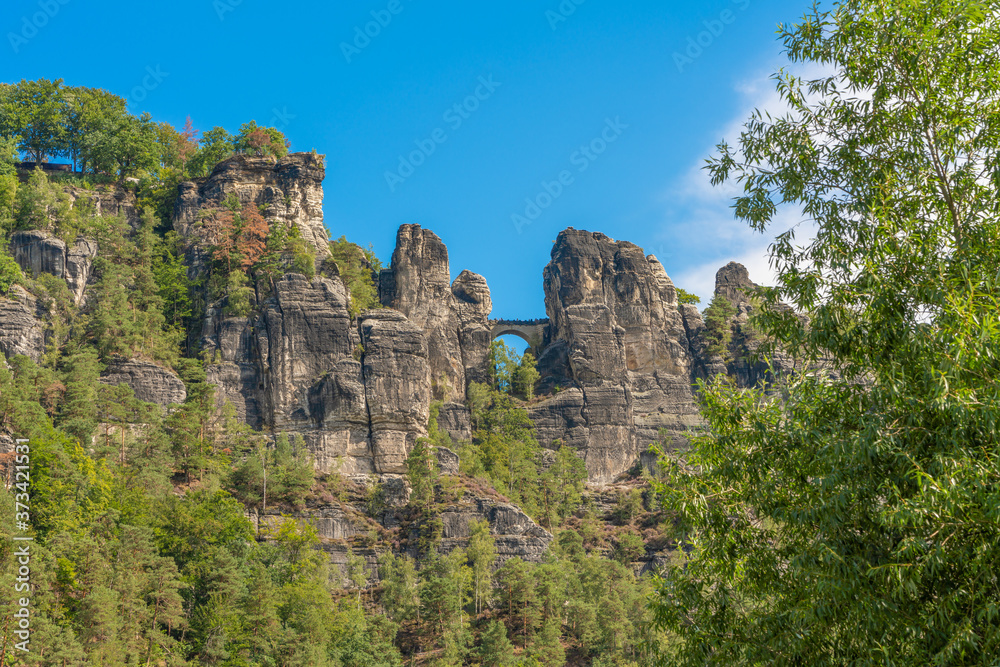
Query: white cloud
(701, 227)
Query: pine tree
(547, 647)
(482, 554)
(421, 472)
(495, 649)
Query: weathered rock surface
(733, 282)
(359, 392)
(149, 382)
(618, 335)
(515, 534)
(744, 365)
(513, 531)
(37, 252)
(302, 333)
(289, 189)
(22, 324)
(107, 200)
(397, 382)
(452, 315)
(448, 461)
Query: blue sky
(622, 101)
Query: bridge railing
(521, 323)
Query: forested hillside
(169, 531)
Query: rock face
(290, 189)
(396, 372)
(149, 382)
(513, 531)
(454, 317)
(106, 201)
(619, 339)
(359, 392)
(733, 282)
(22, 324)
(36, 252)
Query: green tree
(525, 376)
(548, 648)
(172, 281)
(503, 446)
(503, 363)
(519, 597)
(8, 182)
(495, 649)
(78, 413)
(629, 547)
(125, 146)
(421, 473)
(482, 553)
(719, 326)
(562, 486)
(89, 111)
(848, 520)
(356, 572)
(400, 593)
(257, 140)
(36, 113)
(41, 204)
(356, 267)
(685, 297)
(445, 588)
(215, 146)
(10, 273)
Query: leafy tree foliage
(495, 649)
(10, 273)
(685, 297)
(525, 376)
(510, 372)
(482, 553)
(357, 267)
(719, 326)
(561, 485)
(503, 446)
(282, 475)
(847, 520)
(260, 141)
(35, 112)
(215, 146)
(248, 253)
(421, 472)
(88, 112)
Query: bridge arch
(532, 332)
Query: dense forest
(146, 547)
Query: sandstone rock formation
(618, 341)
(396, 372)
(454, 317)
(290, 189)
(744, 365)
(149, 382)
(37, 252)
(107, 200)
(22, 324)
(358, 392)
(733, 282)
(514, 533)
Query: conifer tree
(495, 649)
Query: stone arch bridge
(533, 332)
